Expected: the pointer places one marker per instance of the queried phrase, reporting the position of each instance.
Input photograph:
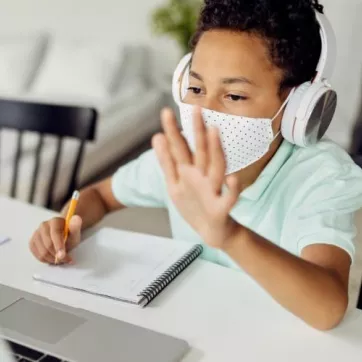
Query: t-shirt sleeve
(324, 213)
(140, 183)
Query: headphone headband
(178, 76)
(327, 59)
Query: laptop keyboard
(25, 354)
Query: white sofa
(110, 77)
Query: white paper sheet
(117, 264)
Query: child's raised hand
(195, 181)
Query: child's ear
(284, 93)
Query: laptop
(5, 355)
(37, 329)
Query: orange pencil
(70, 214)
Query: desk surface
(222, 313)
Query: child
(259, 202)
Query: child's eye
(194, 90)
(236, 98)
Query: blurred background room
(67, 57)
(116, 57)
(82, 83)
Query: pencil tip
(75, 195)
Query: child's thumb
(75, 228)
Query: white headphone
(312, 105)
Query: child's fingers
(75, 229)
(161, 147)
(45, 236)
(201, 154)
(68, 260)
(42, 253)
(178, 147)
(56, 230)
(233, 193)
(217, 165)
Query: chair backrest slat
(47, 119)
(19, 144)
(36, 168)
(64, 121)
(53, 176)
(73, 183)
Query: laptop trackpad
(37, 321)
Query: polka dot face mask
(244, 140)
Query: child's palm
(195, 181)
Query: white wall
(114, 19)
(117, 17)
(345, 16)
(120, 19)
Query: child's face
(232, 73)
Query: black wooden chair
(46, 119)
(359, 301)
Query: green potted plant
(177, 19)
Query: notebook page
(115, 263)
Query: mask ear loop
(280, 110)
(284, 104)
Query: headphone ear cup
(291, 110)
(309, 114)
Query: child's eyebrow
(195, 75)
(237, 80)
(225, 80)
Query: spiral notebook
(123, 265)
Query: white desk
(223, 314)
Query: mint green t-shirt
(304, 196)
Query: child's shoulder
(322, 167)
(325, 157)
(325, 151)
(323, 174)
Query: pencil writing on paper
(70, 214)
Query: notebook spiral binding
(169, 275)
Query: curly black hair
(289, 27)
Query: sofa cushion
(19, 61)
(80, 69)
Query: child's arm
(314, 287)
(95, 202)
(139, 183)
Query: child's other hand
(47, 243)
(195, 180)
